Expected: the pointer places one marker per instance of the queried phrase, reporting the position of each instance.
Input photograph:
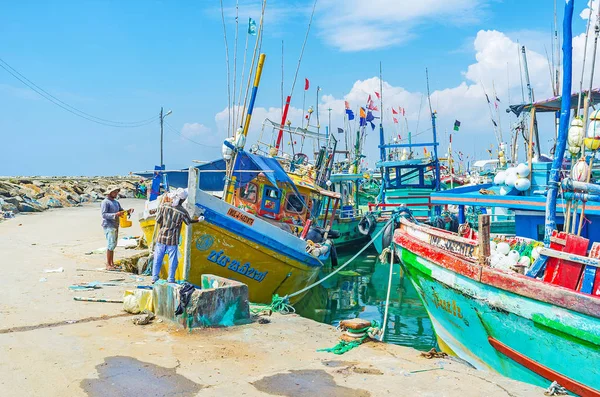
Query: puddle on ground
(126, 376)
(306, 383)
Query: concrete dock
(52, 345)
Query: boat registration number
(240, 216)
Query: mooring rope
(343, 266)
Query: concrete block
(219, 303)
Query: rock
(39, 183)
(26, 207)
(16, 200)
(25, 181)
(8, 207)
(51, 202)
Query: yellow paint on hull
(215, 250)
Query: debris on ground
(555, 390)
(433, 353)
(263, 320)
(59, 270)
(143, 318)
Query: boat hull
(214, 249)
(492, 328)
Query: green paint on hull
(565, 329)
(410, 259)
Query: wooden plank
(439, 256)
(561, 270)
(541, 291)
(588, 278)
(484, 240)
(543, 371)
(584, 260)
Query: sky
(117, 63)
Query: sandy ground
(52, 345)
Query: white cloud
(194, 130)
(357, 26)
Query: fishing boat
(258, 230)
(540, 327)
(350, 214)
(406, 181)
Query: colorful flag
(395, 120)
(496, 105)
(306, 84)
(425, 151)
(370, 119)
(363, 117)
(340, 130)
(488, 98)
(374, 108)
(495, 125)
(498, 99)
(350, 114)
(251, 27)
(394, 111)
(347, 104)
(456, 125)
(377, 95)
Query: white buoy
(500, 178)
(522, 170)
(514, 256)
(493, 246)
(535, 252)
(240, 139)
(580, 170)
(594, 128)
(524, 261)
(576, 133)
(522, 184)
(511, 179)
(503, 248)
(226, 150)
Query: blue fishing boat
(540, 327)
(406, 181)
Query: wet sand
(52, 345)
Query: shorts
(112, 235)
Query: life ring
(366, 225)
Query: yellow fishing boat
(259, 238)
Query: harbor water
(360, 289)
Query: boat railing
(426, 203)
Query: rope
(303, 45)
(228, 77)
(341, 267)
(343, 346)
(387, 298)
(235, 48)
(277, 305)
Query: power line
(172, 129)
(71, 109)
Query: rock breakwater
(36, 194)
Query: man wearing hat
(171, 215)
(111, 211)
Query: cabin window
(295, 203)
(271, 199)
(249, 193)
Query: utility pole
(161, 136)
(162, 117)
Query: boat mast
(531, 100)
(435, 144)
(565, 112)
(381, 135)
